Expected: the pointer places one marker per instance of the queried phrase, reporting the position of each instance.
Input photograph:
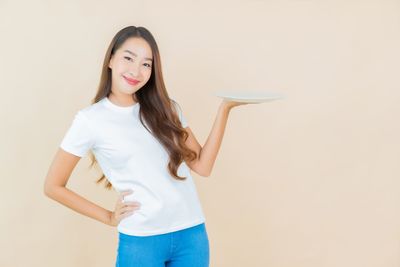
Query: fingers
(129, 208)
(124, 193)
(121, 196)
(130, 205)
(124, 209)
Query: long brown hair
(156, 108)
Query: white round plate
(249, 96)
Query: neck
(122, 100)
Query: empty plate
(249, 96)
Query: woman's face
(131, 66)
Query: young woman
(141, 140)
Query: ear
(110, 62)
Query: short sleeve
(181, 116)
(78, 139)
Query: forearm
(79, 204)
(209, 152)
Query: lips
(131, 81)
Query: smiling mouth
(131, 81)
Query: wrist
(225, 107)
(110, 218)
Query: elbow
(49, 190)
(202, 172)
(206, 173)
(200, 169)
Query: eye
(148, 65)
(128, 58)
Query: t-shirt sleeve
(78, 139)
(182, 118)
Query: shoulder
(91, 112)
(175, 105)
(178, 110)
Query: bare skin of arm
(64, 163)
(207, 154)
(55, 188)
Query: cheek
(115, 70)
(120, 66)
(119, 70)
(116, 75)
(147, 74)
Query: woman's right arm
(55, 188)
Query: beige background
(309, 181)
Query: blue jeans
(184, 248)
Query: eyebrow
(130, 52)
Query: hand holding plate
(236, 98)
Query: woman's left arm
(208, 153)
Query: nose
(134, 69)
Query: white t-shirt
(132, 158)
